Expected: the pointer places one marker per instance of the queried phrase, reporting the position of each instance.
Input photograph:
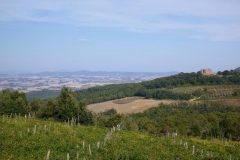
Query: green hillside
(29, 138)
(44, 94)
(199, 119)
(160, 88)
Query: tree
(51, 110)
(237, 70)
(35, 105)
(67, 107)
(85, 116)
(236, 93)
(197, 93)
(219, 73)
(68, 104)
(13, 102)
(110, 112)
(226, 72)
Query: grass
(59, 138)
(62, 139)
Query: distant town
(75, 80)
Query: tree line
(204, 120)
(64, 107)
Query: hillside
(29, 138)
(44, 94)
(160, 88)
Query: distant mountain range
(105, 73)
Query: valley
(75, 80)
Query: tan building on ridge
(207, 71)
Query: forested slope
(160, 88)
(202, 119)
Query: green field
(31, 138)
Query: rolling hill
(160, 88)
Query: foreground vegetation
(61, 108)
(30, 138)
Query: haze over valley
(74, 80)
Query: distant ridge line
(96, 73)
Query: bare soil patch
(131, 105)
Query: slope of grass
(20, 139)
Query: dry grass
(127, 105)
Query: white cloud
(84, 40)
(217, 20)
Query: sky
(126, 35)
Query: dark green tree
(67, 104)
(85, 116)
(110, 112)
(13, 102)
(35, 106)
(237, 70)
(51, 110)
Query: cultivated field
(215, 88)
(127, 105)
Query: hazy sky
(119, 35)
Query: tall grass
(47, 139)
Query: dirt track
(135, 106)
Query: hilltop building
(207, 71)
